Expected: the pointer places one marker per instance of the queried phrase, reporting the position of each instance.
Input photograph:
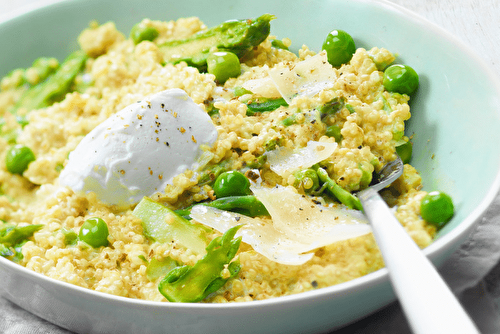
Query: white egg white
(140, 149)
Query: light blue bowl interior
(455, 113)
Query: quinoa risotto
(256, 120)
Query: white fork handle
(428, 303)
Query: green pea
(339, 47)
(140, 32)
(223, 65)
(232, 183)
(405, 151)
(94, 232)
(437, 208)
(18, 158)
(400, 79)
(306, 179)
(334, 131)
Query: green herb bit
(240, 91)
(59, 167)
(70, 237)
(184, 213)
(265, 105)
(212, 111)
(272, 144)
(247, 205)
(350, 108)
(334, 131)
(278, 44)
(192, 284)
(331, 107)
(290, 120)
(385, 104)
(257, 162)
(340, 193)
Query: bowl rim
(459, 232)
(30, 7)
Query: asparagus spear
(55, 86)
(164, 225)
(247, 205)
(187, 284)
(236, 36)
(341, 194)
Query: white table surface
(477, 24)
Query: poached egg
(140, 149)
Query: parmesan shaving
(284, 160)
(264, 87)
(298, 225)
(259, 234)
(306, 78)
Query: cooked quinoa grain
(118, 73)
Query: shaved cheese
(264, 87)
(306, 78)
(284, 160)
(298, 225)
(261, 235)
(297, 216)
